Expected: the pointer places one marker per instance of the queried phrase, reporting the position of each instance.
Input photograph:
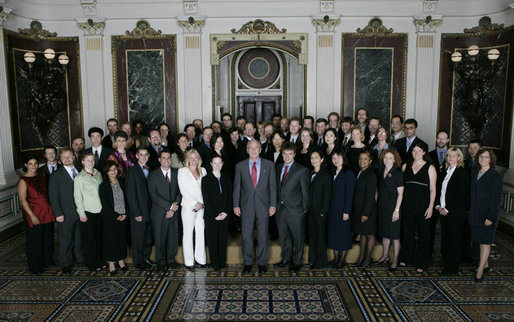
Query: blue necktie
(73, 173)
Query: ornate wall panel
(497, 124)
(144, 67)
(374, 63)
(46, 108)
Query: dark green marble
(373, 81)
(145, 73)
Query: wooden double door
(258, 108)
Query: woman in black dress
(303, 156)
(113, 218)
(417, 207)
(320, 193)
(231, 147)
(452, 205)
(364, 217)
(274, 154)
(390, 195)
(331, 142)
(486, 188)
(354, 151)
(217, 198)
(218, 149)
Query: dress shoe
(112, 273)
(200, 266)
(479, 280)
(386, 260)
(314, 266)
(174, 265)
(295, 268)
(124, 268)
(366, 265)
(247, 269)
(150, 262)
(66, 270)
(143, 266)
(282, 264)
(262, 269)
(190, 268)
(162, 268)
(392, 269)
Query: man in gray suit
(65, 210)
(255, 198)
(165, 196)
(293, 202)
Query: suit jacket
(60, 193)
(485, 197)
(364, 204)
(216, 201)
(107, 198)
(293, 194)
(99, 164)
(270, 156)
(203, 151)
(457, 192)
(401, 146)
(241, 149)
(320, 193)
(190, 190)
(44, 169)
(162, 194)
(153, 160)
(258, 199)
(107, 141)
(138, 197)
(435, 161)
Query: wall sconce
(476, 72)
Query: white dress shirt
(442, 200)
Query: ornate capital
(485, 28)
(325, 23)
(143, 30)
(191, 25)
(4, 14)
(190, 6)
(429, 6)
(91, 27)
(259, 26)
(375, 29)
(36, 31)
(88, 7)
(427, 24)
(326, 6)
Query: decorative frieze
(191, 25)
(92, 27)
(374, 29)
(427, 24)
(36, 31)
(143, 30)
(485, 28)
(325, 24)
(259, 26)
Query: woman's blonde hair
(454, 149)
(193, 151)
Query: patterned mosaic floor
(342, 295)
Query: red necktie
(284, 175)
(254, 175)
(167, 178)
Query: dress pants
(166, 238)
(291, 235)
(141, 233)
(421, 254)
(40, 246)
(70, 242)
(216, 232)
(193, 223)
(317, 238)
(453, 235)
(91, 233)
(250, 220)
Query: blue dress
(339, 231)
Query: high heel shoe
(479, 280)
(385, 260)
(392, 269)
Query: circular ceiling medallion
(259, 68)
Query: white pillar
(192, 71)
(94, 111)
(7, 173)
(425, 99)
(325, 61)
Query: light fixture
(473, 50)
(29, 57)
(64, 59)
(49, 53)
(456, 57)
(493, 54)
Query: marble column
(7, 174)
(192, 71)
(325, 61)
(425, 101)
(94, 107)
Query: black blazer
(203, 151)
(485, 197)
(138, 198)
(107, 141)
(99, 164)
(435, 161)
(107, 198)
(153, 160)
(457, 192)
(269, 156)
(364, 204)
(293, 195)
(215, 201)
(401, 146)
(320, 193)
(60, 193)
(162, 194)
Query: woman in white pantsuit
(190, 185)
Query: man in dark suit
(346, 127)
(471, 161)
(249, 135)
(190, 132)
(155, 148)
(293, 202)
(112, 127)
(100, 151)
(51, 165)
(319, 136)
(165, 196)
(204, 147)
(373, 125)
(255, 198)
(333, 122)
(404, 145)
(138, 200)
(198, 124)
(78, 145)
(65, 210)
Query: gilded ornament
(191, 25)
(325, 23)
(259, 26)
(143, 30)
(92, 27)
(485, 28)
(36, 31)
(374, 29)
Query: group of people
(341, 181)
